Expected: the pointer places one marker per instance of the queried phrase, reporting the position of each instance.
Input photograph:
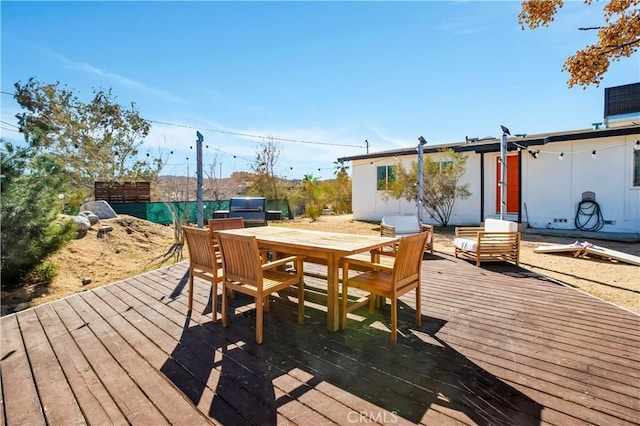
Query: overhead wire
(275, 138)
(9, 124)
(228, 132)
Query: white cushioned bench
(497, 240)
(408, 225)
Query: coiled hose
(589, 216)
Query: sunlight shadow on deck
(241, 381)
(180, 286)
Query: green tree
(342, 189)
(441, 188)
(98, 140)
(619, 36)
(313, 200)
(30, 231)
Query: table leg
(333, 310)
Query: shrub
(30, 231)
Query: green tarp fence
(161, 212)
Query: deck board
(497, 345)
(55, 393)
(20, 397)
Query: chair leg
(394, 320)
(301, 302)
(418, 305)
(345, 289)
(190, 290)
(259, 315)
(373, 302)
(224, 304)
(214, 301)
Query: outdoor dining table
(318, 247)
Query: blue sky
(331, 73)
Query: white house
(548, 175)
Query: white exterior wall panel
(550, 187)
(367, 202)
(467, 212)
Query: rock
(93, 219)
(86, 281)
(104, 230)
(82, 223)
(101, 208)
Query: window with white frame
(385, 177)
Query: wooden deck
(499, 345)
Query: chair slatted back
(241, 259)
(226, 223)
(222, 224)
(406, 268)
(201, 251)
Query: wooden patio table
(319, 247)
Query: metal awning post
(421, 144)
(503, 173)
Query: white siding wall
(368, 203)
(467, 212)
(551, 188)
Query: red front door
(513, 198)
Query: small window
(444, 165)
(636, 168)
(386, 176)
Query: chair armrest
(427, 228)
(468, 231)
(372, 265)
(281, 262)
(496, 233)
(387, 230)
(384, 253)
(424, 227)
(497, 236)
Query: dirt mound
(132, 247)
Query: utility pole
(199, 196)
(188, 177)
(366, 144)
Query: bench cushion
(404, 225)
(497, 225)
(465, 244)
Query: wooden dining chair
(388, 281)
(220, 225)
(226, 223)
(244, 272)
(203, 264)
